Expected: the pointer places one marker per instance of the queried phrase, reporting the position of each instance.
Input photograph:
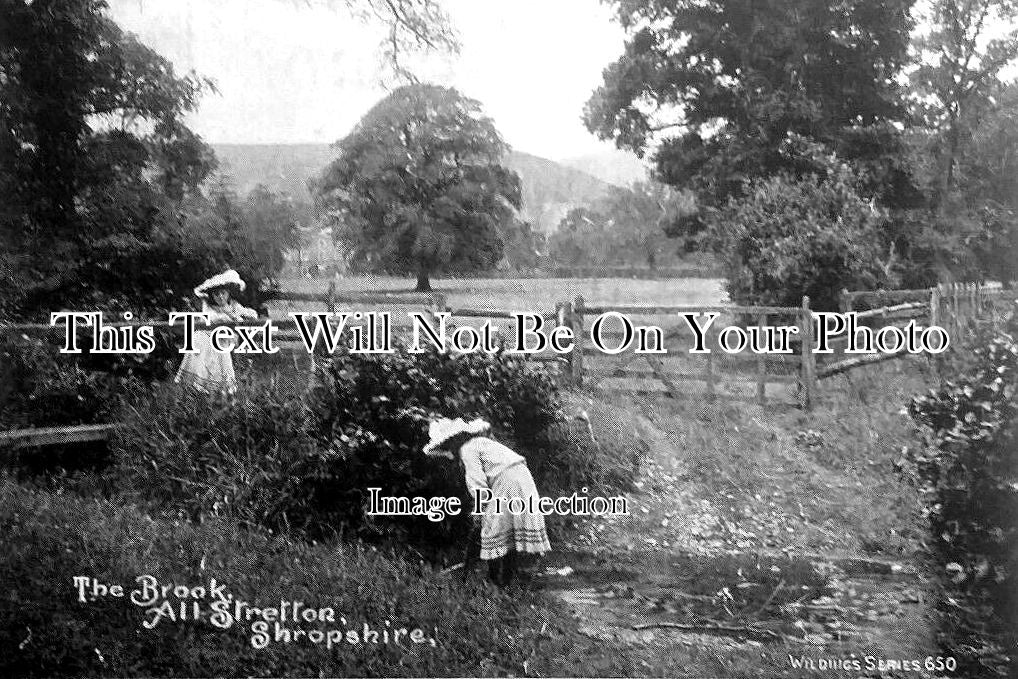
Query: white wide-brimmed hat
(228, 277)
(443, 429)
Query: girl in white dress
(490, 465)
(209, 370)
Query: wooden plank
(637, 373)
(48, 436)
(808, 370)
(356, 297)
(668, 310)
(691, 396)
(488, 313)
(869, 359)
(889, 311)
(742, 357)
(709, 377)
(576, 322)
(658, 368)
(761, 367)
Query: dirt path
(705, 577)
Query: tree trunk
(423, 282)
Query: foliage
(959, 57)
(625, 227)
(302, 463)
(41, 387)
(792, 237)
(103, 182)
(372, 410)
(91, 133)
(412, 26)
(45, 632)
(995, 244)
(419, 187)
(259, 446)
(967, 472)
(734, 78)
(581, 238)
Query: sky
(289, 71)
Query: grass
(52, 538)
(534, 294)
(771, 518)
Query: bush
(40, 387)
(967, 472)
(208, 457)
(788, 238)
(46, 632)
(377, 408)
(304, 462)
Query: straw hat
(228, 277)
(443, 429)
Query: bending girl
(490, 465)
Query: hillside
(550, 189)
(620, 168)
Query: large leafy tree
(718, 86)
(93, 148)
(418, 186)
(966, 135)
(956, 86)
(625, 227)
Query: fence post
(955, 308)
(709, 378)
(761, 367)
(330, 306)
(576, 364)
(935, 295)
(807, 377)
(844, 301)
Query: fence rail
(953, 306)
(586, 369)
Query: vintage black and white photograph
(509, 338)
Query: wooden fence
(956, 307)
(793, 375)
(734, 376)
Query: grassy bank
(47, 631)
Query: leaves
(419, 187)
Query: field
(534, 294)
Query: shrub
(40, 387)
(304, 462)
(376, 408)
(46, 632)
(967, 471)
(788, 238)
(245, 458)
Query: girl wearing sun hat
(210, 370)
(490, 465)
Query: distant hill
(281, 167)
(613, 166)
(550, 189)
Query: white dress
(209, 370)
(489, 464)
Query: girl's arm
(216, 315)
(241, 312)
